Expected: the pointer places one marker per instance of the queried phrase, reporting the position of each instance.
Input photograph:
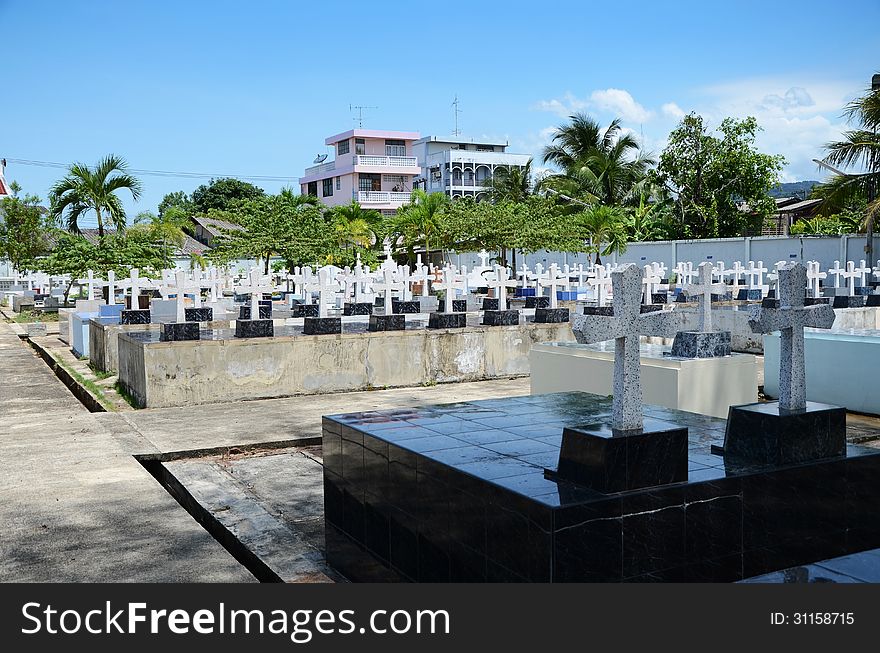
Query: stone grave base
(302, 310)
(447, 320)
(135, 316)
(872, 300)
(491, 303)
(321, 326)
(708, 386)
(547, 315)
(175, 331)
(254, 328)
(537, 302)
(765, 433)
(357, 308)
(410, 307)
(509, 317)
(701, 344)
(849, 301)
(392, 322)
(749, 294)
(459, 493)
(659, 298)
(201, 314)
(460, 305)
(244, 312)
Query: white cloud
(672, 110)
(564, 107)
(621, 103)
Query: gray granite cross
(704, 290)
(624, 327)
(790, 319)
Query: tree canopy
(220, 195)
(23, 228)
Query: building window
(485, 148)
(312, 188)
(369, 182)
(342, 148)
(360, 147)
(328, 186)
(394, 179)
(394, 147)
(339, 183)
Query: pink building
(372, 166)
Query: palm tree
(87, 189)
(355, 226)
(859, 149)
(167, 229)
(511, 183)
(604, 227)
(596, 164)
(419, 221)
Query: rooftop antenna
(360, 110)
(456, 111)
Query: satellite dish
(320, 158)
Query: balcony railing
(381, 196)
(320, 168)
(387, 161)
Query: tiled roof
(214, 226)
(190, 245)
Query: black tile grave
(682, 298)
(551, 315)
(322, 326)
(659, 298)
(393, 322)
(254, 328)
(244, 312)
(203, 314)
(304, 310)
(458, 305)
(509, 317)
(722, 297)
(447, 320)
(538, 302)
(812, 301)
(749, 294)
(491, 303)
(174, 331)
(864, 290)
(405, 307)
(137, 316)
(849, 301)
(766, 433)
(872, 300)
(357, 308)
(701, 344)
(458, 492)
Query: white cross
(735, 273)
(135, 283)
(422, 276)
(360, 281)
(182, 283)
(90, 281)
(756, 275)
(388, 262)
(649, 281)
(502, 282)
(838, 272)
(111, 287)
(719, 271)
(705, 289)
(601, 282)
(659, 269)
(851, 274)
(553, 284)
(524, 275)
(448, 285)
(256, 285)
(386, 286)
(484, 259)
(327, 289)
(813, 277)
(863, 270)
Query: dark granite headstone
(357, 308)
(608, 460)
(864, 290)
(849, 301)
(681, 298)
(701, 344)
(872, 300)
(321, 326)
(302, 310)
(769, 302)
(538, 302)
(174, 331)
(393, 322)
(812, 301)
(749, 294)
(408, 307)
(137, 316)
(607, 311)
(659, 298)
(722, 297)
(244, 312)
(202, 314)
(491, 303)
(447, 320)
(458, 305)
(509, 317)
(771, 294)
(524, 292)
(551, 315)
(764, 433)
(254, 328)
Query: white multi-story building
(461, 167)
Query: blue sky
(253, 88)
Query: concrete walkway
(74, 504)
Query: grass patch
(98, 373)
(35, 316)
(93, 388)
(122, 392)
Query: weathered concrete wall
(160, 374)
(104, 345)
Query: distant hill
(793, 189)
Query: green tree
(418, 222)
(708, 176)
(166, 229)
(223, 195)
(602, 228)
(177, 200)
(23, 228)
(355, 227)
(511, 183)
(596, 165)
(87, 189)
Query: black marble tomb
(320, 326)
(357, 308)
(536, 302)
(393, 322)
(509, 317)
(551, 315)
(136, 316)
(202, 314)
(174, 331)
(447, 320)
(244, 312)
(254, 328)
